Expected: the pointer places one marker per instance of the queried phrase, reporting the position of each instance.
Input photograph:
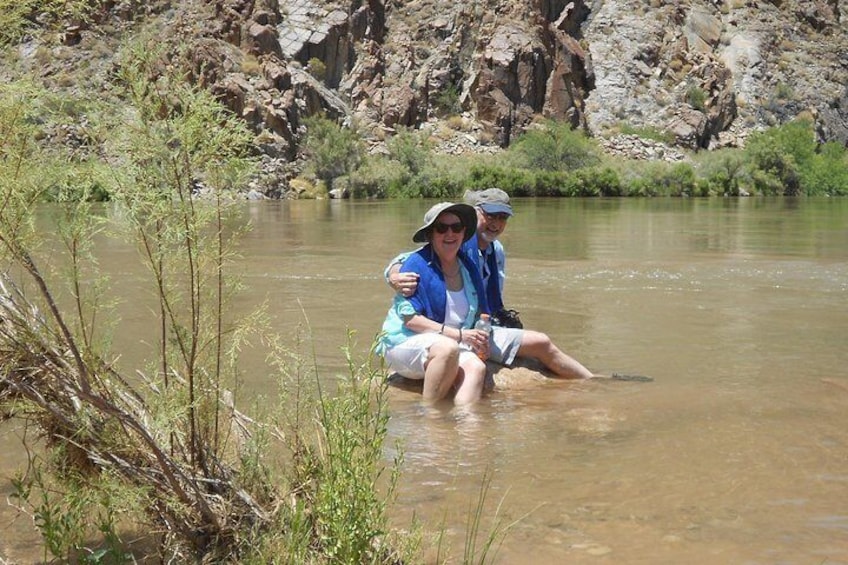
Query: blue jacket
(430, 298)
(491, 262)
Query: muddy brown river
(737, 452)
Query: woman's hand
(477, 340)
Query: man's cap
(491, 200)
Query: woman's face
(447, 235)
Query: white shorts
(504, 344)
(408, 359)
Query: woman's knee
(444, 347)
(475, 367)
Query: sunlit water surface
(737, 452)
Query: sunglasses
(500, 216)
(439, 227)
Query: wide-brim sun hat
(464, 212)
(491, 200)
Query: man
(493, 212)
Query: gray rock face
(745, 66)
(706, 73)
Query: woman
(429, 335)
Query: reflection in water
(736, 453)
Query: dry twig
(107, 425)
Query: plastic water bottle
(485, 324)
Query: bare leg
(440, 372)
(471, 378)
(540, 346)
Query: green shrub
(705, 187)
(602, 181)
(553, 183)
(647, 132)
(332, 150)
(662, 179)
(641, 186)
(317, 68)
(780, 180)
(429, 184)
(17, 16)
(348, 515)
(554, 147)
(402, 188)
(828, 171)
(411, 149)
(515, 181)
(680, 180)
(162, 450)
(778, 158)
(13, 20)
(696, 97)
(720, 172)
(784, 91)
(373, 178)
(446, 101)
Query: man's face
(490, 226)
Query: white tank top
(457, 308)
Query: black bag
(507, 319)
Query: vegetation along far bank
(352, 101)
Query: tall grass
(169, 450)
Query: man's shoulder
(402, 256)
(418, 258)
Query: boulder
(399, 106)
(702, 29)
(262, 39)
(688, 127)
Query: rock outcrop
(710, 73)
(706, 73)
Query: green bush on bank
(519, 182)
(333, 150)
(374, 176)
(786, 160)
(828, 170)
(424, 185)
(413, 150)
(553, 160)
(720, 172)
(658, 178)
(411, 171)
(554, 146)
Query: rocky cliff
(704, 72)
